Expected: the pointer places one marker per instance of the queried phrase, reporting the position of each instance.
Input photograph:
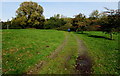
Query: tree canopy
(79, 22)
(95, 14)
(54, 22)
(29, 15)
(111, 23)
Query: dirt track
(83, 58)
(83, 62)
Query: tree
(0, 24)
(94, 20)
(95, 14)
(54, 22)
(79, 22)
(30, 15)
(111, 23)
(57, 16)
(67, 23)
(6, 24)
(18, 23)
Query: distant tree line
(30, 15)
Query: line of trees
(30, 15)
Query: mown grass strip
(65, 61)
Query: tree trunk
(76, 30)
(111, 36)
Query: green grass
(103, 51)
(65, 61)
(23, 48)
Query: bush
(54, 23)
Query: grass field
(22, 49)
(103, 51)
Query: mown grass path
(81, 47)
(63, 60)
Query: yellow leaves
(4, 70)
(23, 48)
(49, 68)
(30, 55)
(99, 65)
(20, 55)
(65, 68)
(18, 58)
(4, 54)
(13, 50)
(38, 52)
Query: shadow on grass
(94, 36)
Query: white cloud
(61, 0)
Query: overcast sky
(68, 9)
